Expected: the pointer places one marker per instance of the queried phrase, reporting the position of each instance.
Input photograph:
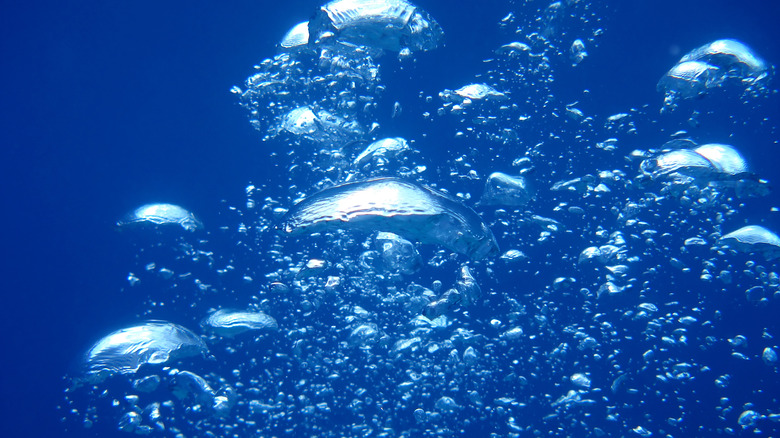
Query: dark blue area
(110, 105)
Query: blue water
(109, 106)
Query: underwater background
(109, 106)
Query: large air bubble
(753, 239)
(401, 207)
(383, 24)
(125, 351)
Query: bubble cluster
(720, 63)
(361, 291)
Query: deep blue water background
(108, 105)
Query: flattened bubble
(297, 37)
(590, 253)
(405, 344)
(648, 307)
(503, 189)
(576, 185)
(695, 241)
(729, 54)
(712, 161)
(512, 48)
(689, 79)
(513, 255)
(641, 431)
(382, 24)
(609, 288)
(382, 150)
(320, 126)
(228, 323)
(301, 121)
(396, 206)
(161, 215)
(710, 66)
(725, 158)
(479, 91)
(154, 342)
(472, 92)
(312, 268)
(513, 333)
(446, 404)
(580, 380)
(753, 239)
(684, 160)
